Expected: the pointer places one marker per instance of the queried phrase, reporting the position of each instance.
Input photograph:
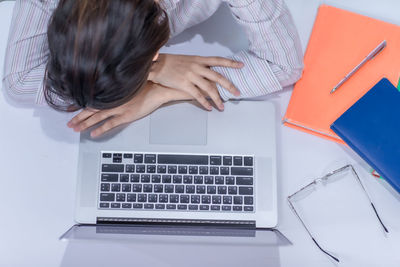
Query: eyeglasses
(325, 179)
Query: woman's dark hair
(101, 51)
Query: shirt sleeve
(274, 58)
(27, 51)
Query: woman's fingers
(220, 79)
(211, 90)
(93, 120)
(83, 115)
(195, 92)
(220, 61)
(108, 125)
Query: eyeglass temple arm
(309, 233)
(370, 201)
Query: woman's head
(101, 51)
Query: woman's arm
(27, 51)
(274, 59)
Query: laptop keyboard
(176, 182)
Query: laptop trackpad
(179, 124)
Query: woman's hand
(151, 97)
(192, 74)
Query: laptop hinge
(147, 221)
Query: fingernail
(237, 93)
(76, 129)
(221, 107)
(240, 64)
(209, 108)
(69, 124)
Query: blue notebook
(371, 127)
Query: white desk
(38, 168)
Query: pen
(370, 56)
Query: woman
(102, 56)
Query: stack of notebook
(368, 120)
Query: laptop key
(205, 199)
(214, 170)
(158, 188)
(215, 207)
(238, 200)
(138, 158)
(227, 200)
(130, 168)
(106, 155)
(183, 159)
(145, 178)
(219, 179)
(148, 206)
(112, 168)
(140, 168)
(229, 180)
(242, 171)
(182, 169)
(248, 208)
(161, 169)
(124, 178)
(204, 207)
(128, 156)
(194, 199)
(126, 188)
(237, 160)
(120, 197)
(172, 169)
(135, 178)
(107, 197)
(216, 199)
(182, 207)
(104, 205)
(177, 179)
(160, 206)
(150, 158)
(163, 198)
(131, 197)
(193, 170)
(184, 199)
(126, 205)
(166, 179)
(152, 198)
(137, 188)
(198, 179)
(244, 180)
(151, 168)
(226, 208)
(224, 170)
(108, 177)
(245, 190)
(179, 189)
(209, 179)
(248, 161)
(174, 198)
(155, 178)
(237, 208)
(211, 189)
(190, 189)
(187, 179)
(227, 160)
(169, 188)
(215, 160)
(105, 187)
(200, 189)
(115, 187)
(222, 190)
(193, 207)
(115, 205)
(248, 200)
(232, 190)
(203, 170)
(142, 198)
(148, 188)
(171, 206)
(137, 205)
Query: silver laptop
(182, 165)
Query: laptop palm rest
(183, 124)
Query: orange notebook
(340, 40)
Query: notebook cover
(340, 40)
(371, 127)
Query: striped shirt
(272, 61)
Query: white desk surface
(38, 158)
